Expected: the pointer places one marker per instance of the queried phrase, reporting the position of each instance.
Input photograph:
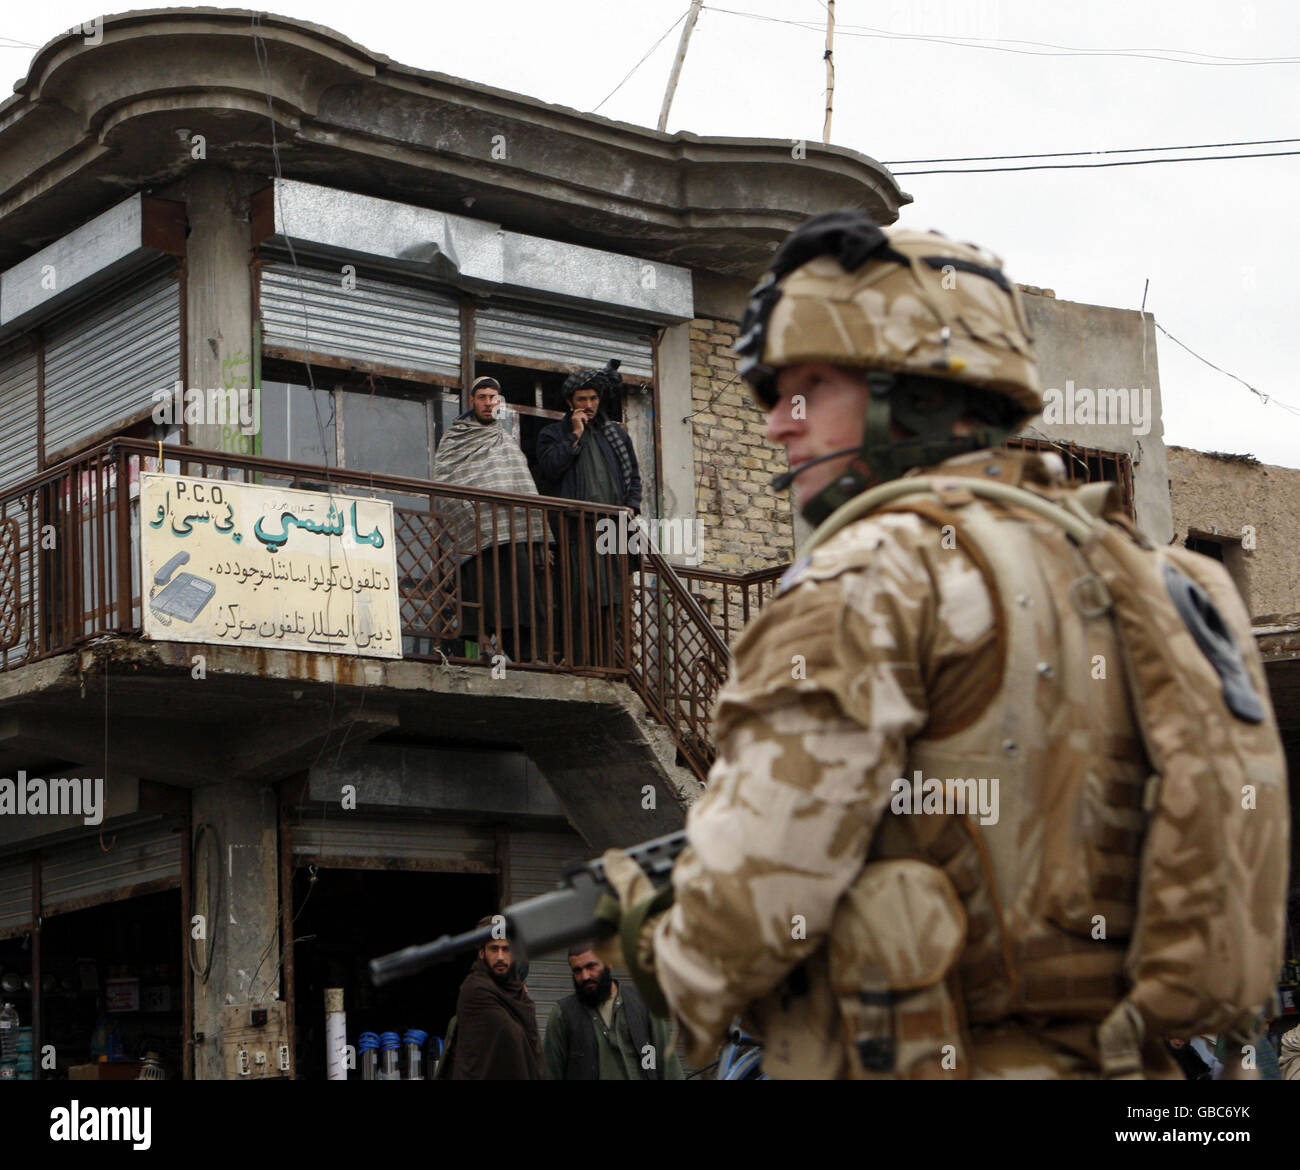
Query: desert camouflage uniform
(881, 655)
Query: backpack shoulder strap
(1072, 516)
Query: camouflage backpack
(1207, 936)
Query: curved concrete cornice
(92, 123)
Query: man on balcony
(503, 551)
(587, 456)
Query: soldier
(920, 848)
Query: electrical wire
(712, 398)
(905, 162)
(212, 905)
(1264, 398)
(638, 65)
(1002, 46)
(1136, 162)
(274, 978)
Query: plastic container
(433, 1056)
(368, 1053)
(414, 1042)
(390, 1054)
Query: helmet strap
(887, 458)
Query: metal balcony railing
(534, 587)
(731, 600)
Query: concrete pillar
(219, 296)
(240, 842)
(677, 437)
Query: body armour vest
(1050, 887)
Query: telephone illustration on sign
(183, 598)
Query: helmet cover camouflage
(845, 292)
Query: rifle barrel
(414, 959)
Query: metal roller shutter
(139, 859)
(570, 341)
(18, 409)
(350, 841)
(15, 897)
(309, 310)
(536, 863)
(105, 358)
(18, 461)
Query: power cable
(643, 60)
(1264, 398)
(971, 43)
(904, 162)
(1136, 162)
(212, 903)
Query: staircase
(677, 659)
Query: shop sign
(244, 564)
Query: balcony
(77, 675)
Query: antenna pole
(830, 68)
(689, 28)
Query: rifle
(542, 925)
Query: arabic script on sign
(257, 565)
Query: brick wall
(746, 524)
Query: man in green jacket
(603, 1032)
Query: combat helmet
(934, 325)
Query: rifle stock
(542, 925)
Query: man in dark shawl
(496, 1021)
(587, 456)
(502, 550)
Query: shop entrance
(110, 979)
(346, 917)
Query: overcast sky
(1218, 240)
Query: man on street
(603, 1032)
(496, 1021)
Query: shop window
(362, 423)
(298, 424)
(386, 433)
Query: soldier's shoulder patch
(791, 577)
(855, 546)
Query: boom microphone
(786, 478)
